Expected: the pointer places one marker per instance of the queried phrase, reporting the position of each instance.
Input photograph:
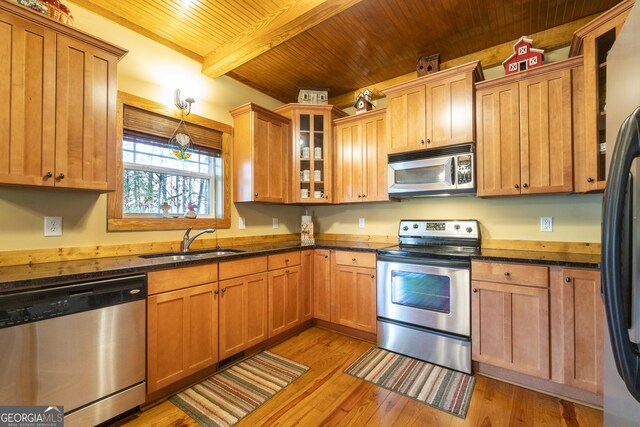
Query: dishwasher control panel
(31, 313)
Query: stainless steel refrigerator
(621, 229)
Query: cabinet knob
(525, 185)
(517, 186)
(216, 292)
(224, 290)
(364, 195)
(359, 196)
(422, 141)
(567, 279)
(286, 260)
(475, 290)
(326, 196)
(48, 175)
(589, 180)
(373, 277)
(286, 271)
(506, 273)
(60, 175)
(326, 256)
(353, 259)
(428, 141)
(255, 195)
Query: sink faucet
(186, 240)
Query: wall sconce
(184, 105)
(180, 142)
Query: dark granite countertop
(23, 277)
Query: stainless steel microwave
(437, 171)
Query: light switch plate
(546, 223)
(52, 226)
(275, 223)
(360, 222)
(241, 224)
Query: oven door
(422, 176)
(430, 293)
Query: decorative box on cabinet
(63, 114)
(312, 153)
(594, 41)
(360, 167)
(524, 131)
(261, 140)
(432, 111)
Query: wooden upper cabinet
(525, 131)
(58, 112)
(261, 140)
(432, 111)
(594, 41)
(360, 167)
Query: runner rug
(442, 388)
(230, 395)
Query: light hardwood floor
(325, 396)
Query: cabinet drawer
(178, 278)
(242, 267)
(516, 274)
(284, 260)
(358, 259)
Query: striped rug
(434, 385)
(230, 395)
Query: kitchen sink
(185, 256)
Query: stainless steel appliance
(424, 291)
(80, 345)
(621, 230)
(436, 171)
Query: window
(151, 179)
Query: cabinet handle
(216, 292)
(428, 141)
(224, 290)
(286, 271)
(506, 273)
(589, 180)
(517, 186)
(373, 277)
(326, 256)
(326, 196)
(567, 279)
(422, 141)
(475, 290)
(286, 260)
(48, 175)
(525, 185)
(60, 175)
(255, 195)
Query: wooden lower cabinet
(243, 313)
(510, 327)
(284, 299)
(182, 334)
(306, 285)
(322, 284)
(354, 297)
(577, 328)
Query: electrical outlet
(241, 224)
(546, 223)
(275, 222)
(52, 226)
(360, 222)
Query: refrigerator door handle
(624, 350)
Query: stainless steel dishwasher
(79, 345)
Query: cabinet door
(354, 297)
(182, 335)
(545, 133)
(321, 284)
(348, 186)
(498, 127)
(306, 286)
(312, 169)
(406, 120)
(243, 313)
(270, 148)
(374, 161)
(579, 325)
(449, 111)
(510, 327)
(284, 299)
(27, 102)
(86, 93)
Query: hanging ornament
(181, 143)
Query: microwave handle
(450, 171)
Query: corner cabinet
(261, 139)
(58, 114)
(525, 133)
(594, 41)
(435, 110)
(312, 145)
(360, 167)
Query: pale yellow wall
(152, 71)
(576, 217)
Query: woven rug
(442, 388)
(230, 395)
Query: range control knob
(405, 228)
(415, 225)
(469, 229)
(456, 227)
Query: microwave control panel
(465, 172)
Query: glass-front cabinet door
(312, 151)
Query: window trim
(116, 221)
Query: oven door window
(420, 290)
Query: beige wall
(152, 71)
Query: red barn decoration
(524, 57)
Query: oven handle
(431, 262)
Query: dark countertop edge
(550, 262)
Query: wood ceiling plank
(275, 29)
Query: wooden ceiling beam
(295, 18)
(549, 39)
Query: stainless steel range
(424, 291)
